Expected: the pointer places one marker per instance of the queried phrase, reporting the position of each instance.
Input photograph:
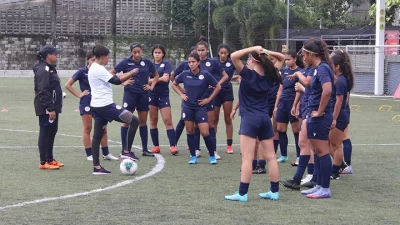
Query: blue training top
(253, 93)
(82, 76)
(196, 86)
(145, 66)
(229, 68)
(322, 74)
(288, 91)
(181, 67)
(342, 89)
(162, 88)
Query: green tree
(391, 8)
(180, 12)
(223, 18)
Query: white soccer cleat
(110, 157)
(306, 179)
(89, 158)
(217, 157)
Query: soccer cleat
(198, 153)
(55, 163)
(173, 150)
(309, 184)
(89, 158)
(310, 191)
(110, 157)
(237, 197)
(291, 184)
(193, 160)
(147, 153)
(321, 193)
(217, 156)
(295, 163)
(213, 161)
(306, 179)
(270, 195)
(229, 149)
(48, 166)
(100, 171)
(129, 155)
(347, 170)
(156, 150)
(335, 176)
(282, 159)
(259, 170)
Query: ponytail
(269, 68)
(319, 48)
(342, 59)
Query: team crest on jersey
(201, 77)
(125, 104)
(162, 65)
(142, 63)
(315, 72)
(47, 68)
(118, 106)
(228, 64)
(87, 108)
(208, 64)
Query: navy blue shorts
(225, 95)
(159, 101)
(256, 127)
(85, 109)
(198, 115)
(283, 114)
(303, 112)
(211, 105)
(108, 113)
(319, 127)
(271, 111)
(138, 101)
(44, 121)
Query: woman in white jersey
(103, 106)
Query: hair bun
(203, 38)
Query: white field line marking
(157, 168)
(59, 146)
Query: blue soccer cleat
(213, 160)
(193, 160)
(270, 195)
(237, 197)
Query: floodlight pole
(287, 24)
(379, 50)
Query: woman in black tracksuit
(48, 104)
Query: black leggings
(98, 132)
(47, 135)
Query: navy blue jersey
(82, 76)
(212, 67)
(145, 66)
(273, 92)
(322, 74)
(341, 89)
(229, 68)
(181, 67)
(309, 71)
(196, 85)
(253, 93)
(164, 67)
(288, 91)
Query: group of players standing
(311, 93)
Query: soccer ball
(128, 167)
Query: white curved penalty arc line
(159, 166)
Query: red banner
(392, 38)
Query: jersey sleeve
(245, 72)
(168, 68)
(104, 75)
(178, 70)
(152, 68)
(179, 78)
(211, 80)
(120, 66)
(217, 67)
(324, 75)
(340, 87)
(77, 75)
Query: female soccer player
(212, 66)
(196, 83)
(48, 104)
(347, 151)
(341, 115)
(257, 79)
(319, 122)
(136, 94)
(104, 109)
(159, 100)
(84, 108)
(225, 96)
(305, 158)
(284, 104)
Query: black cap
(136, 45)
(48, 49)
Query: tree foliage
(391, 8)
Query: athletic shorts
(45, 122)
(85, 109)
(138, 101)
(319, 127)
(283, 114)
(197, 115)
(256, 127)
(159, 101)
(108, 113)
(225, 95)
